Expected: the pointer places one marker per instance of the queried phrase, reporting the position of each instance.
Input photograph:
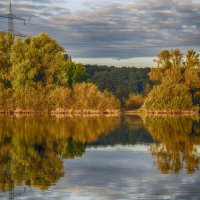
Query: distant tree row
(35, 74)
(121, 81)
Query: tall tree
(173, 68)
(192, 70)
(168, 69)
(37, 60)
(6, 41)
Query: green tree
(121, 81)
(6, 41)
(75, 73)
(37, 60)
(36, 75)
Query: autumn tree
(176, 72)
(192, 71)
(169, 96)
(88, 96)
(6, 42)
(37, 60)
(134, 101)
(36, 75)
(172, 66)
(169, 67)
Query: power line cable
(11, 17)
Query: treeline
(36, 75)
(121, 81)
(172, 86)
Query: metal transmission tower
(11, 17)
(10, 20)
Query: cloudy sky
(114, 32)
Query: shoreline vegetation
(163, 112)
(112, 113)
(62, 111)
(38, 77)
(177, 84)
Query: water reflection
(130, 132)
(178, 143)
(31, 149)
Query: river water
(100, 158)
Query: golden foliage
(179, 79)
(169, 97)
(135, 101)
(36, 77)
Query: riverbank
(163, 112)
(61, 111)
(96, 112)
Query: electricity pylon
(11, 17)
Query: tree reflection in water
(178, 140)
(32, 148)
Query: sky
(114, 32)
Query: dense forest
(121, 81)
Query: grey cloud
(31, 7)
(115, 29)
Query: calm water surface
(99, 158)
